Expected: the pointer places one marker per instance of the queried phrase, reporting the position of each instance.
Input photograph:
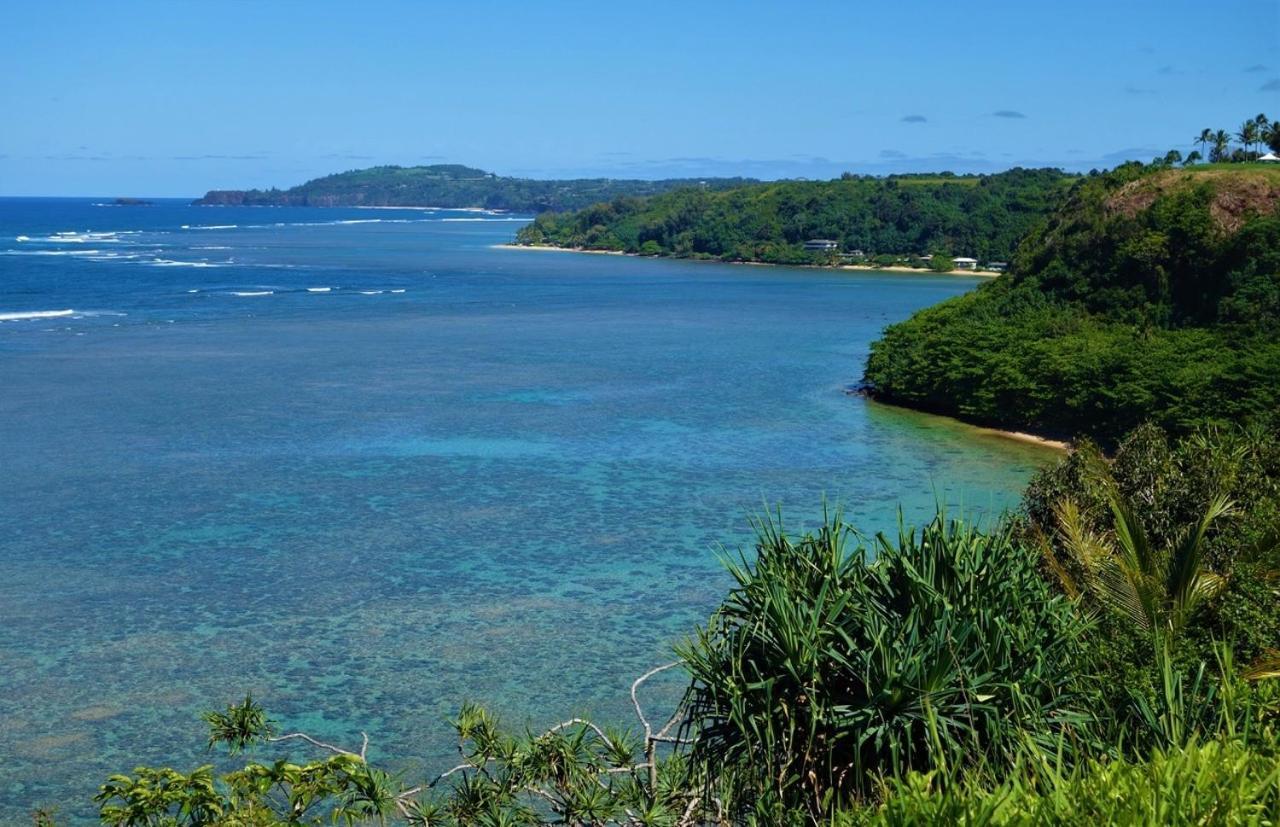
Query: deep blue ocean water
(367, 466)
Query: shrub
(1169, 484)
(826, 667)
(1218, 782)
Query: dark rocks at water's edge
(222, 198)
(131, 202)
(862, 388)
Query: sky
(175, 98)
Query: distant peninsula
(454, 186)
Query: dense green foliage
(452, 185)
(575, 773)
(827, 666)
(978, 216)
(1153, 294)
(1219, 782)
(1168, 485)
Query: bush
(825, 667)
(941, 264)
(1170, 482)
(1218, 782)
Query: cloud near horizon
(1008, 113)
(1272, 85)
(914, 119)
(1255, 68)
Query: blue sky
(174, 98)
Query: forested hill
(978, 216)
(452, 185)
(1153, 294)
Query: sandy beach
(1032, 439)
(894, 268)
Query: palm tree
(1221, 143)
(1193, 157)
(1248, 134)
(1205, 138)
(1273, 136)
(1159, 589)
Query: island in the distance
(454, 186)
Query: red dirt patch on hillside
(1236, 195)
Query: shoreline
(1061, 446)
(869, 268)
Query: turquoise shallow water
(505, 483)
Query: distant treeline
(1152, 295)
(980, 216)
(452, 185)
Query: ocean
(367, 466)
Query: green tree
(1273, 137)
(1248, 135)
(1204, 139)
(941, 264)
(1221, 144)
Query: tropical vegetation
(1107, 653)
(1152, 294)
(452, 186)
(1215, 145)
(979, 216)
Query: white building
(824, 245)
(963, 263)
(1270, 156)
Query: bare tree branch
(635, 701)
(321, 744)
(442, 776)
(687, 818)
(581, 722)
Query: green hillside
(1152, 294)
(978, 216)
(451, 185)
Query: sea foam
(34, 314)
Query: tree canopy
(1153, 294)
(981, 216)
(450, 185)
